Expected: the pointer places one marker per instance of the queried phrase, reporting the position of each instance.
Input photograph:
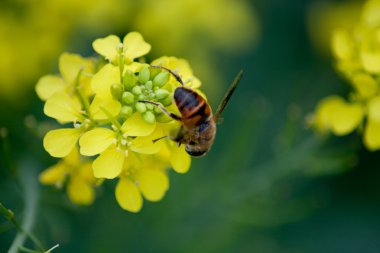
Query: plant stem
(81, 95)
(30, 188)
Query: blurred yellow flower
(357, 52)
(76, 175)
(34, 34)
(336, 115)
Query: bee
(198, 123)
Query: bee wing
(228, 95)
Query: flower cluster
(357, 51)
(108, 130)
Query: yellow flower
(113, 121)
(143, 176)
(372, 129)
(335, 115)
(176, 154)
(357, 51)
(365, 85)
(70, 66)
(114, 146)
(133, 47)
(181, 67)
(80, 181)
(64, 108)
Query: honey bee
(198, 124)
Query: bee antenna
(176, 76)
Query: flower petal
(372, 135)
(72, 159)
(371, 61)
(48, 85)
(80, 192)
(86, 173)
(96, 141)
(374, 109)
(62, 107)
(145, 144)
(346, 118)
(109, 164)
(102, 81)
(53, 175)
(71, 64)
(107, 46)
(153, 184)
(179, 159)
(135, 46)
(181, 67)
(137, 126)
(334, 114)
(128, 195)
(110, 105)
(60, 142)
(342, 44)
(365, 85)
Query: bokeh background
(268, 185)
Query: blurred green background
(268, 185)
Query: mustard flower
(112, 123)
(114, 146)
(142, 176)
(357, 53)
(69, 66)
(133, 47)
(77, 176)
(67, 101)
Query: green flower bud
(149, 107)
(129, 79)
(126, 111)
(144, 74)
(167, 101)
(161, 93)
(140, 107)
(157, 110)
(128, 97)
(161, 79)
(136, 90)
(141, 97)
(116, 91)
(149, 85)
(163, 118)
(154, 72)
(149, 117)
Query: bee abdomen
(193, 107)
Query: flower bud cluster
(147, 85)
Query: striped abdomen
(193, 107)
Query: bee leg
(176, 76)
(170, 114)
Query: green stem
(82, 96)
(30, 188)
(121, 63)
(23, 249)
(110, 117)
